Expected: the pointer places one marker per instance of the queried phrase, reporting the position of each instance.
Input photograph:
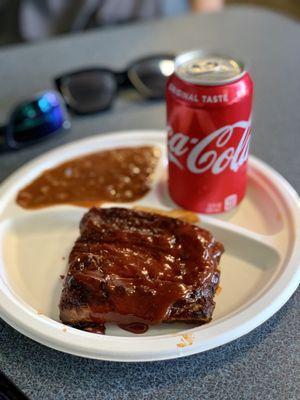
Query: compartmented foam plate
(259, 270)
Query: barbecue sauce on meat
(118, 175)
(138, 269)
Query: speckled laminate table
(265, 364)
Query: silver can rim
(185, 56)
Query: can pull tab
(208, 67)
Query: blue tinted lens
(38, 118)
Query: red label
(208, 143)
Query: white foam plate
(259, 270)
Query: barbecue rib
(137, 267)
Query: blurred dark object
(9, 22)
(9, 391)
(94, 89)
(37, 19)
(36, 118)
(289, 7)
(23, 20)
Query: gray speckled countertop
(265, 364)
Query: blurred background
(29, 20)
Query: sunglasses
(9, 391)
(94, 89)
(34, 119)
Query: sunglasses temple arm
(2, 136)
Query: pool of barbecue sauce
(117, 175)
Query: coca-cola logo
(213, 152)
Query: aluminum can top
(208, 70)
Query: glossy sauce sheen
(119, 175)
(135, 268)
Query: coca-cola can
(209, 106)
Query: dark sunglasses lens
(38, 118)
(149, 77)
(89, 91)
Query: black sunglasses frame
(122, 78)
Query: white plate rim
(13, 311)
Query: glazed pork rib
(131, 266)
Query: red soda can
(209, 106)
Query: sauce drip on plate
(137, 327)
(118, 175)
